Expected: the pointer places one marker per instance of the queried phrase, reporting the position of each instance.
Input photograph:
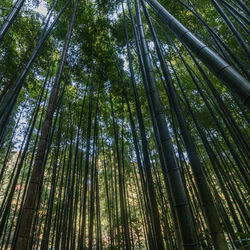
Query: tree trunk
(10, 19)
(239, 86)
(35, 181)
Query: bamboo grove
(124, 124)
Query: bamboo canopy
(124, 124)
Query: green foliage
(97, 52)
